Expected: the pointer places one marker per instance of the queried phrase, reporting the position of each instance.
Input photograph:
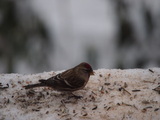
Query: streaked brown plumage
(70, 80)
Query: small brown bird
(70, 80)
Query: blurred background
(45, 35)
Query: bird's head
(86, 68)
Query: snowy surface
(109, 95)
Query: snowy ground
(109, 95)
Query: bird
(70, 80)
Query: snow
(110, 94)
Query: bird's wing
(70, 78)
(64, 81)
(55, 80)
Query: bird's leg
(75, 96)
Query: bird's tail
(42, 81)
(41, 84)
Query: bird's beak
(92, 73)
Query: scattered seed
(147, 81)
(157, 89)
(19, 82)
(126, 104)
(118, 104)
(110, 88)
(101, 88)
(107, 84)
(94, 93)
(115, 83)
(85, 114)
(148, 107)
(125, 85)
(135, 107)
(75, 114)
(100, 75)
(106, 91)
(108, 108)
(102, 92)
(144, 110)
(74, 111)
(105, 106)
(93, 98)
(135, 96)
(121, 88)
(95, 107)
(35, 110)
(136, 90)
(145, 102)
(156, 109)
(127, 91)
(151, 70)
(4, 87)
(47, 93)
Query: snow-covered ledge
(109, 95)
